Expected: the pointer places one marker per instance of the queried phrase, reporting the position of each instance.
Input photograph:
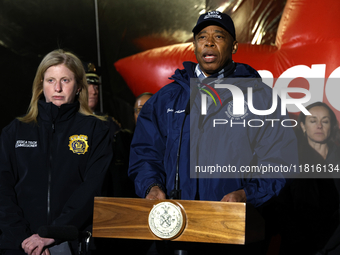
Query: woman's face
(317, 126)
(59, 85)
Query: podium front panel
(206, 221)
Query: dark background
(29, 29)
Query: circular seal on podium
(167, 220)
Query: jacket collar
(53, 113)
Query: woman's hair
(54, 58)
(334, 136)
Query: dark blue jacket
(155, 143)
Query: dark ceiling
(29, 29)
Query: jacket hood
(182, 76)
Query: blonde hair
(54, 58)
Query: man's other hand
(235, 196)
(155, 194)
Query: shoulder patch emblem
(78, 144)
(229, 111)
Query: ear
(194, 44)
(235, 47)
(303, 127)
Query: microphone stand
(176, 192)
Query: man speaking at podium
(168, 146)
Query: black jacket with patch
(50, 171)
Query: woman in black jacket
(53, 160)
(310, 205)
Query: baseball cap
(215, 18)
(92, 74)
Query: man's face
(139, 104)
(214, 47)
(93, 96)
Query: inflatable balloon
(306, 54)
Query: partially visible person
(92, 78)
(119, 110)
(117, 183)
(93, 82)
(140, 101)
(53, 160)
(309, 207)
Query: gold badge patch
(78, 144)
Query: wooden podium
(205, 221)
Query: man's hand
(235, 196)
(155, 194)
(35, 245)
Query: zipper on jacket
(50, 175)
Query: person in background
(140, 101)
(117, 108)
(93, 82)
(120, 111)
(53, 160)
(309, 207)
(117, 182)
(93, 85)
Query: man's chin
(210, 68)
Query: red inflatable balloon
(307, 46)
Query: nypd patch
(78, 144)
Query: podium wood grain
(206, 221)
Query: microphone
(67, 233)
